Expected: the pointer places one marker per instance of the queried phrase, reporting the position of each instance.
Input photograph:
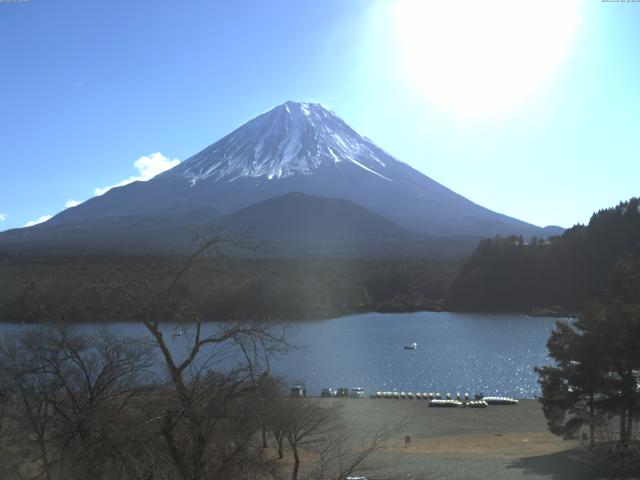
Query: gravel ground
(497, 443)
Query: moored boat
(500, 400)
(445, 403)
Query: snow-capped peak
(291, 139)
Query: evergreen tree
(597, 371)
(572, 390)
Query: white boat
(178, 333)
(411, 346)
(500, 400)
(445, 403)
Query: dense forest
(558, 274)
(80, 288)
(543, 276)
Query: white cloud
(3, 217)
(43, 218)
(148, 167)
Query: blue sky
(89, 88)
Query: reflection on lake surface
(456, 352)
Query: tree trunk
(174, 450)
(45, 459)
(631, 388)
(280, 441)
(200, 446)
(623, 425)
(264, 437)
(591, 420)
(296, 462)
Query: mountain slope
(293, 225)
(295, 147)
(300, 215)
(148, 233)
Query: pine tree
(597, 357)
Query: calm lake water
(457, 352)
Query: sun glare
(483, 57)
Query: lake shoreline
(551, 312)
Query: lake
(457, 352)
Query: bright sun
(483, 56)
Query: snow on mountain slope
(294, 138)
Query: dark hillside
(514, 274)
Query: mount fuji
(295, 148)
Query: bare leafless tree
(30, 395)
(277, 421)
(317, 436)
(308, 424)
(340, 455)
(64, 393)
(212, 410)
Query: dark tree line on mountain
(595, 383)
(72, 286)
(509, 274)
(191, 405)
(512, 274)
